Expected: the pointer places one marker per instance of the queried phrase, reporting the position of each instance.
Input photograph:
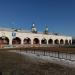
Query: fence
(56, 54)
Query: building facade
(13, 36)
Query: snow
(47, 58)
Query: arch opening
(61, 41)
(4, 40)
(44, 41)
(56, 41)
(36, 41)
(70, 42)
(50, 41)
(27, 41)
(16, 40)
(66, 42)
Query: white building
(14, 36)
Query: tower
(46, 29)
(34, 28)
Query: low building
(15, 36)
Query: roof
(24, 31)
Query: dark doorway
(4, 40)
(43, 41)
(36, 41)
(16, 40)
(61, 41)
(27, 41)
(66, 42)
(56, 41)
(50, 41)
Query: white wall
(23, 35)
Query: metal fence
(55, 54)
(39, 52)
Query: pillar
(10, 41)
(40, 42)
(53, 42)
(21, 41)
(32, 41)
(47, 42)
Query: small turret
(46, 29)
(34, 28)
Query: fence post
(44, 52)
(50, 53)
(26, 50)
(70, 56)
(34, 51)
(62, 55)
(66, 55)
(58, 54)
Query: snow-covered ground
(50, 57)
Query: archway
(61, 41)
(4, 40)
(70, 42)
(44, 41)
(66, 42)
(27, 41)
(50, 41)
(56, 41)
(16, 40)
(36, 41)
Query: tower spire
(46, 29)
(34, 28)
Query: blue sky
(59, 15)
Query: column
(53, 42)
(22, 41)
(32, 41)
(47, 42)
(10, 41)
(71, 42)
(40, 42)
